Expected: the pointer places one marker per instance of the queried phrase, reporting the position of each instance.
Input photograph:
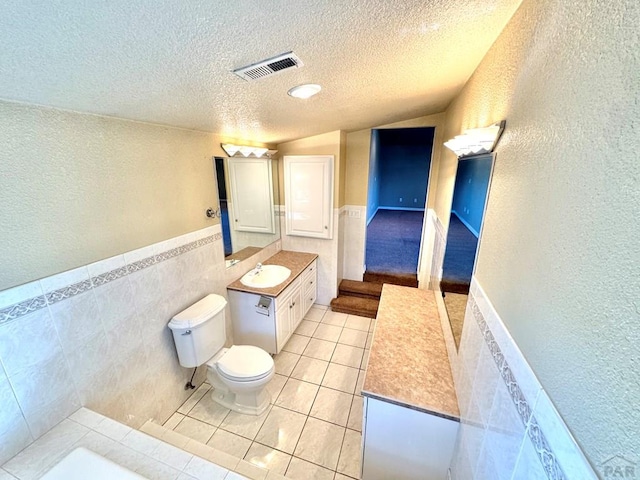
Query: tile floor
(312, 429)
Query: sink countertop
(408, 364)
(294, 261)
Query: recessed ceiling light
(305, 91)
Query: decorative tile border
(13, 312)
(545, 454)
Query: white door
(308, 187)
(251, 195)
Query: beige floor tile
(360, 382)
(347, 355)
(310, 370)
(306, 328)
(330, 333)
(315, 314)
(365, 360)
(209, 411)
(296, 344)
(320, 443)
(195, 429)
(340, 476)
(285, 362)
(282, 429)
(248, 470)
(297, 395)
(320, 349)
(194, 398)
(275, 386)
(301, 470)
(246, 426)
(267, 457)
(340, 378)
(275, 476)
(173, 421)
(369, 340)
(355, 338)
(332, 406)
(351, 455)
(230, 443)
(358, 323)
(355, 415)
(334, 318)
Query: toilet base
(248, 404)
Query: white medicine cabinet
(251, 195)
(308, 190)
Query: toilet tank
(199, 331)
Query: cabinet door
(283, 323)
(308, 190)
(251, 195)
(296, 309)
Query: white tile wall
(342, 219)
(96, 336)
(355, 230)
(509, 427)
(327, 251)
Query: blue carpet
(459, 257)
(393, 242)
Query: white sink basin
(266, 277)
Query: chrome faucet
(258, 268)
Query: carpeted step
(403, 279)
(360, 289)
(364, 307)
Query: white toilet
(238, 374)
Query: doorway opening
(399, 167)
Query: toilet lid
(245, 361)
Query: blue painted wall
(470, 192)
(373, 190)
(404, 160)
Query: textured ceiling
(378, 61)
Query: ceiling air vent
(269, 67)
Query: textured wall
(77, 188)
(560, 254)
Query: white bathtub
(82, 464)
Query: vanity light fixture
(305, 91)
(246, 150)
(476, 141)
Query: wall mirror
(249, 205)
(470, 194)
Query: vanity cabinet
(410, 414)
(271, 326)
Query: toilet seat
(245, 363)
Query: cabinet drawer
(310, 276)
(309, 298)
